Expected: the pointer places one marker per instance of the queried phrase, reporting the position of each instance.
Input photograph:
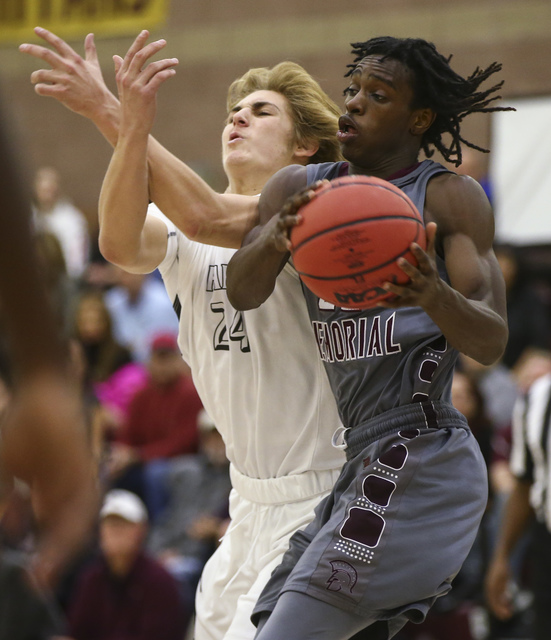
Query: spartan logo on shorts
(344, 576)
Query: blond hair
(314, 114)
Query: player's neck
(386, 168)
(247, 185)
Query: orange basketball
(352, 233)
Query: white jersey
(258, 372)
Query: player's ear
(306, 149)
(421, 120)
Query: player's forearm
(123, 202)
(106, 117)
(516, 517)
(193, 206)
(253, 271)
(472, 327)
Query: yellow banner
(75, 18)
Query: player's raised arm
(127, 238)
(179, 192)
(253, 270)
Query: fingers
(44, 76)
(132, 65)
(408, 268)
(136, 64)
(431, 230)
(151, 77)
(91, 54)
(118, 63)
(136, 46)
(316, 186)
(295, 202)
(157, 72)
(59, 45)
(47, 85)
(43, 53)
(424, 257)
(65, 54)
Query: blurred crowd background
(160, 460)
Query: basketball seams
(357, 274)
(345, 225)
(346, 181)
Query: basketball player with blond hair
(277, 432)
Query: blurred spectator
(99, 273)
(529, 505)
(140, 308)
(533, 364)
(527, 312)
(161, 424)
(109, 374)
(57, 215)
(196, 516)
(467, 397)
(60, 287)
(498, 386)
(93, 329)
(125, 593)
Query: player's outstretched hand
(138, 81)
(424, 284)
(74, 81)
(280, 225)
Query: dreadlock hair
(315, 116)
(436, 86)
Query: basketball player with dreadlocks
(404, 513)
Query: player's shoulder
(456, 201)
(282, 185)
(286, 179)
(447, 184)
(326, 171)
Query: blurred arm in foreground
(43, 440)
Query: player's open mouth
(347, 129)
(235, 136)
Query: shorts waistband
(285, 489)
(433, 414)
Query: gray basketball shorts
(399, 522)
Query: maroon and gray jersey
(379, 359)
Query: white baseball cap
(124, 504)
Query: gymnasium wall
(217, 40)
